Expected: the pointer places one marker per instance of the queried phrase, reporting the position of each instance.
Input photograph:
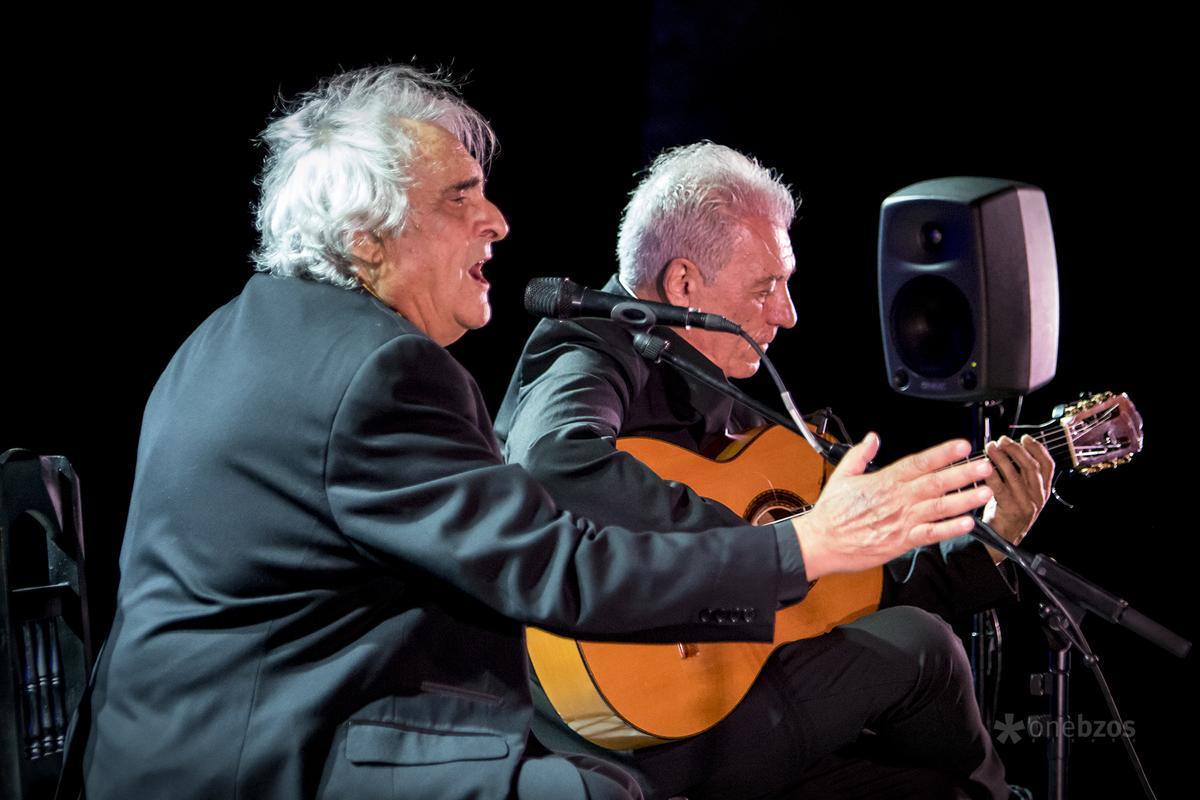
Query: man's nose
(783, 313)
(494, 226)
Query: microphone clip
(634, 315)
(639, 319)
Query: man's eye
(460, 200)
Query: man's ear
(367, 250)
(680, 281)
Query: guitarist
(707, 228)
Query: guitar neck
(1078, 440)
(1050, 434)
(1098, 433)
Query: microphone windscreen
(545, 297)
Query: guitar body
(625, 696)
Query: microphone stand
(1068, 595)
(1053, 684)
(984, 653)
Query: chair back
(45, 644)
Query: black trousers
(881, 707)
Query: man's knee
(925, 631)
(917, 640)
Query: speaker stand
(984, 652)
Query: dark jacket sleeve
(414, 477)
(568, 404)
(953, 579)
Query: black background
(138, 222)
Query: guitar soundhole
(774, 505)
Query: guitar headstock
(1102, 431)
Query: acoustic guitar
(625, 696)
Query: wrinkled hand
(1020, 485)
(862, 520)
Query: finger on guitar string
(1044, 460)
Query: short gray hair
(339, 161)
(689, 204)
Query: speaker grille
(933, 326)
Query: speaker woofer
(933, 325)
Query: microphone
(562, 298)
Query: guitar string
(1058, 440)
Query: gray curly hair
(689, 204)
(338, 163)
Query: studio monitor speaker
(968, 289)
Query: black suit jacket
(326, 568)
